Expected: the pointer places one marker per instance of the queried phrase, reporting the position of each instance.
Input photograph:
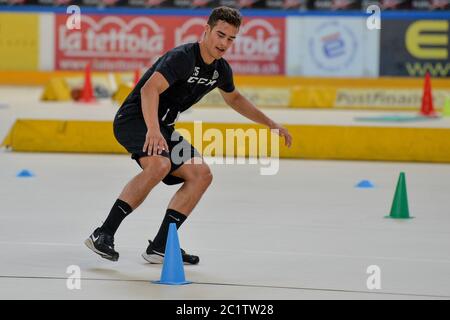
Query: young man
(144, 125)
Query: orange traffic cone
(427, 108)
(87, 94)
(137, 76)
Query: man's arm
(245, 107)
(150, 92)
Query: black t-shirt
(189, 77)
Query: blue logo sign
(333, 46)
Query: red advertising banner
(258, 49)
(124, 43)
(110, 43)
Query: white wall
(46, 41)
(331, 47)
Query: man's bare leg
(155, 168)
(197, 178)
(101, 241)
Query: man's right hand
(155, 143)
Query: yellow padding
(63, 136)
(350, 142)
(309, 141)
(261, 96)
(369, 143)
(122, 93)
(37, 78)
(227, 139)
(56, 90)
(15, 77)
(313, 97)
(381, 82)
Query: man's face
(220, 38)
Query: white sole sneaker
(157, 259)
(88, 242)
(153, 258)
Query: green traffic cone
(446, 112)
(400, 209)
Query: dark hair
(227, 14)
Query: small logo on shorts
(215, 75)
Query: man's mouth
(220, 50)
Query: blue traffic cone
(25, 174)
(173, 268)
(365, 184)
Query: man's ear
(206, 32)
(207, 29)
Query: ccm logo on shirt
(204, 81)
(207, 82)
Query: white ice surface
(304, 233)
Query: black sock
(171, 216)
(119, 211)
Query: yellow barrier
(309, 141)
(42, 77)
(312, 97)
(394, 94)
(63, 136)
(382, 82)
(269, 96)
(7, 142)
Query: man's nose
(223, 43)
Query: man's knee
(206, 177)
(201, 175)
(156, 167)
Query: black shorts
(131, 130)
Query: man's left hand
(283, 132)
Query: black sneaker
(102, 244)
(153, 255)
